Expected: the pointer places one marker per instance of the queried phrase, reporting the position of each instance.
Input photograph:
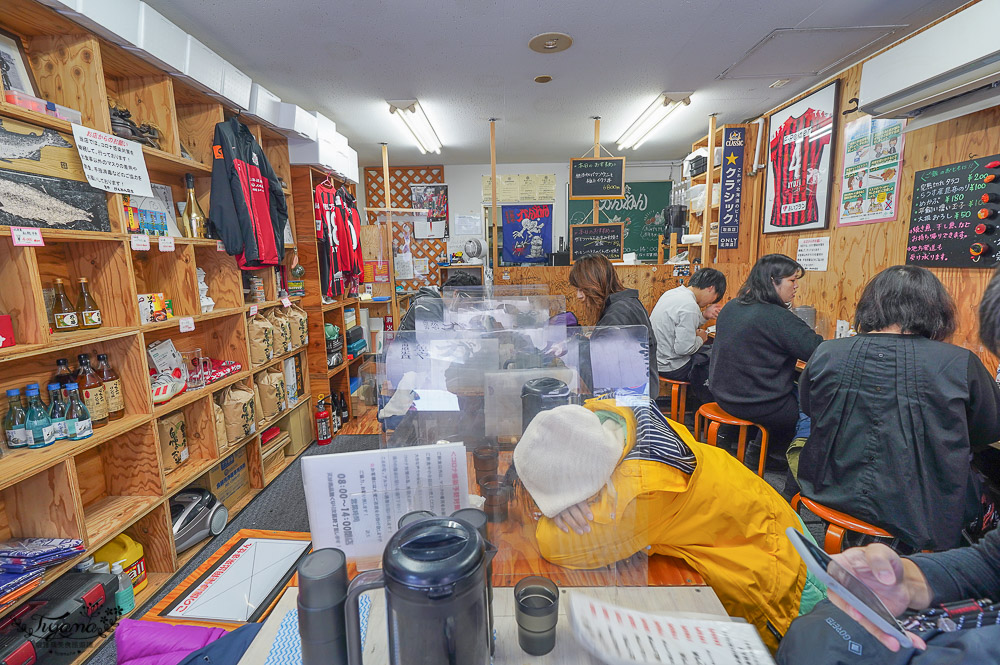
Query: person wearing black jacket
(248, 208)
(598, 286)
(897, 413)
(916, 582)
(758, 340)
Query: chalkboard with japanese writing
(603, 239)
(955, 215)
(593, 178)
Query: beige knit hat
(566, 456)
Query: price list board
(955, 215)
(604, 239)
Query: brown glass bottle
(63, 375)
(94, 396)
(87, 308)
(112, 387)
(63, 312)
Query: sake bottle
(37, 420)
(57, 411)
(78, 423)
(15, 422)
(112, 387)
(63, 311)
(94, 396)
(87, 308)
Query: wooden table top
(518, 556)
(677, 601)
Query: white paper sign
(253, 310)
(26, 237)
(421, 266)
(187, 324)
(620, 636)
(813, 253)
(220, 246)
(354, 500)
(285, 302)
(166, 244)
(139, 242)
(467, 225)
(111, 163)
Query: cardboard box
(229, 480)
(300, 426)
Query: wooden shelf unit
(115, 481)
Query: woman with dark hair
(896, 414)
(611, 304)
(758, 340)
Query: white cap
(116, 567)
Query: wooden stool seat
(678, 398)
(716, 416)
(838, 522)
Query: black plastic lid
(475, 517)
(544, 385)
(433, 552)
(323, 578)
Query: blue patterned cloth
(287, 647)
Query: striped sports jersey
(324, 207)
(796, 151)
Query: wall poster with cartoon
(873, 153)
(527, 233)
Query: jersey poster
(800, 153)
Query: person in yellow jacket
(615, 480)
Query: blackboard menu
(954, 219)
(597, 178)
(603, 239)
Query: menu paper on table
(112, 163)
(619, 636)
(354, 500)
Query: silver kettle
(436, 599)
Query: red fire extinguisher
(324, 431)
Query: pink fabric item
(152, 643)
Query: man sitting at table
(614, 480)
(677, 319)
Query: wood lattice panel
(400, 179)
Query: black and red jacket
(248, 208)
(349, 234)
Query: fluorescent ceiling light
(665, 104)
(415, 120)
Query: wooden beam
(493, 184)
(706, 218)
(394, 303)
(597, 155)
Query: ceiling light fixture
(665, 104)
(780, 83)
(550, 42)
(412, 115)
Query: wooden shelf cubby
(114, 481)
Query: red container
(6, 331)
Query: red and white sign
(26, 237)
(187, 324)
(139, 242)
(166, 244)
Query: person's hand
(576, 517)
(702, 335)
(712, 311)
(899, 584)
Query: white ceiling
(468, 60)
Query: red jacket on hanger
(349, 235)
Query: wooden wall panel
(68, 70)
(858, 253)
(650, 281)
(196, 126)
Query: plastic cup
(536, 609)
(497, 494)
(486, 461)
(413, 516)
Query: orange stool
(837, 523)
(678, 398)
(715, 416)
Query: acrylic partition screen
(498, 290)
(483, 390)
